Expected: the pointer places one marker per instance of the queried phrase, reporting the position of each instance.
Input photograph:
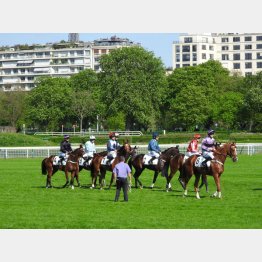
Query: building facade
(20, 67)
(239, 53)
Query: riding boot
(61, 160)
(204, 163)
(150, 162)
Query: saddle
(147, 158)
(83, 162)
(57, 161)
(105, 161)
(199, 161)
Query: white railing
(34, 152)
(93, 132)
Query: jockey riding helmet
(211, 132)
(66, 136)
(112, 134)
(92, 138)
(155, 135)
(197, 136)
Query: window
(177, 48)
(236, 47)
(194, 48)
(211, 48)
(177, 57)
(248, 73)
(185, 65)
(248, 65)
(188, 39)
(79, 52)
(225, 57)
(259, 38)
(177, 65)
(259, 46)
(248, 46)
(186, 57)
(248, 38)
(224, 39)
(30, 78)
(204, 56)
(236, 39)
(248, 56)
(211, 57)
(204, 47)
(225, 47)
(259, 64)
(236, 65)
(236, 56)
(186, 48)
(194, 57)
(259, 55)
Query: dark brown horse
(124, 150)
(215, 169)
(72, 166)
(176, 163)
(162, 165)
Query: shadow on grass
(257, 189)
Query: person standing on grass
(121, 172)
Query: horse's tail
(44, 171)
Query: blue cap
(155, 134)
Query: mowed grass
(25, 203)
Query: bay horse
(162, 166)
(215, 169)
(98, 167)
(176, 163)
(72, 165)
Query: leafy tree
(49, 103)
(133, 82)
(12, 107)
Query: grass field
(25, 202)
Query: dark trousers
(121, 183)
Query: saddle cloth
(104, 161)
(57, 161)
(82, 162)
(199, 161)
(146, 158)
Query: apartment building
(19, 67)
(239, 53)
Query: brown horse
(124, 150)
(176, 163)
(162, 166)
(72, 166)
(215, 169)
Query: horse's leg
(72, 179)
(111, 181)
(154, 179)
(168, 179)
(77, 178)
(217, 181)
(204, 182)
(48, 178)
(197, 177)
(136, 176)
(67, 180)
(102, 178)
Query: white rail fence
(85, 133)
(34, 152)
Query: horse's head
(79, 152)
(232, 151)
(170, 152)
(125, 149)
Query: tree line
(133, 92)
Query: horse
(72, 165)
(215, 169)
(101, 168)
(97, 158)
(176, 163)
(161, 166)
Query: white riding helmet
(92, 138)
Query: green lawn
(26, 203)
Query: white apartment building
(239, 53)
(20, 68)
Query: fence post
(6, 153)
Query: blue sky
(159, 43)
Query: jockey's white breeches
(112, 153)
(89, 154)
(153, 153)
(207, 154)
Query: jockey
(208, 146)
(117, 142)
(153, 148)
(65, 148)
(111, 147)
(192, 148)
(90, 148)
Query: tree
(133, 82)
(49, 103)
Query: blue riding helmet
(211, 132)
(155, 135)
(66, 136)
